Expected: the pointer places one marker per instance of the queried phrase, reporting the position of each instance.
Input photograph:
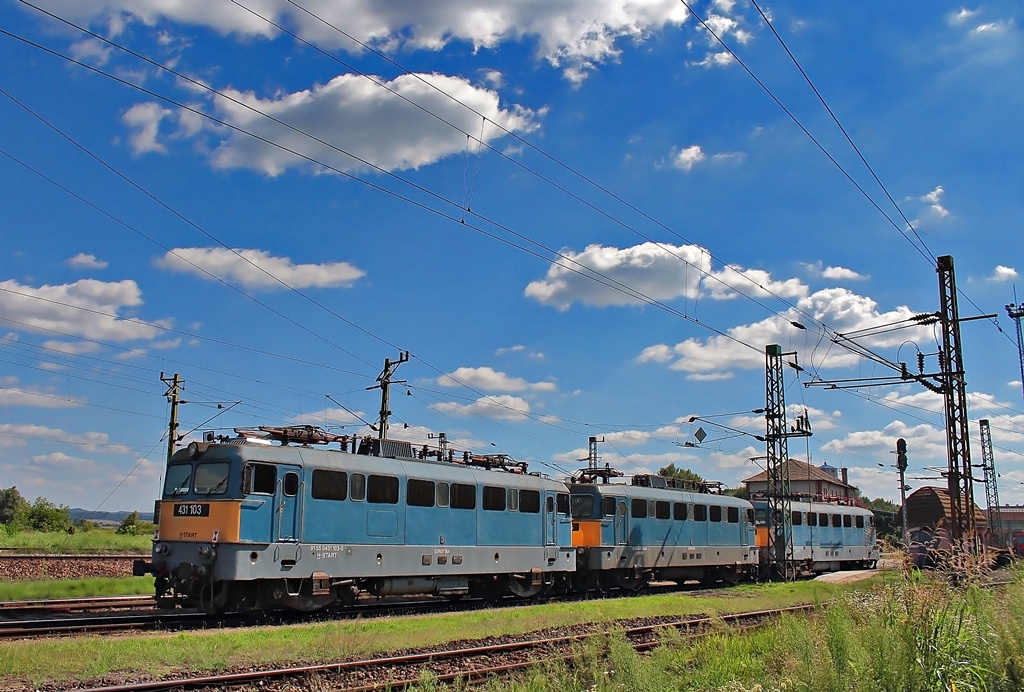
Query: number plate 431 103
(192, 509)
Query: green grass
(98, 540)
(38, 662)
(75, 588)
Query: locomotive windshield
(179, 479)
(582, 506)
(212, 478)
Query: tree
(11, 502)
(671, 471)
(43, 515)
(129, 525)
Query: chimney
(846, 478)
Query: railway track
(473, 665)
(74, 605)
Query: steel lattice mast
(1016, 311)
(988, 465)
(954, 385)
(780, 508)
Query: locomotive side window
(328, 485)
(679, 511)
(700, 512)
(512, 499)
(798, 518)
(847, 521)
(290, 485)
(494, 498)
(419, 493)
(837, 520)
(357, 487)
(550, 504)
(382, 490)
(442, 495)
(822, 519)
(661, 510)
(261, 479)
(529, 501)
(750, 516)
(563, 503)
(212, 478)
(733, 515)
(812, 518)
(716, 513)
(583, 506)
(179, 479)
(638, 509)
(860, 521)
(608, 506)
(463, 496)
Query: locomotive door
(621, 530)
(288, 499)
(550, 521)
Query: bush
(43, 515)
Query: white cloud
(1001, 274)
(687, 158)
(491, 380)
(715, 59)
(499, 407)
(839, 308)
(659, 271)
(258, 269)
(990, 27)
(144, 119)
(84, 261)
(91, 50)
(729, 157)
(19, 434)
(962, 16)
(728, 282)
(86, 308)
(33, 396)
(935, 211)
(351, 124)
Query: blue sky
(580, 218)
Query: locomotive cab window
(733, 515)
(179, 479)
(212, 478)
(563, 503)
(750, 516)
(419, 493)
(529, 501)
(260, 479)
(329, 485)
(582, 506)
(608, 504)
(357, 487)
(860, 521)
(382, 490)
(638, 509)
(463, 496)
(494, 498)
(290, 485)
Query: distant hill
(105, 517)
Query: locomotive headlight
(161, 549)
(207, 552)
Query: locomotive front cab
(200, 510)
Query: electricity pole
(1016, 311)
(174, 389)
(390, 366)
(988, 465)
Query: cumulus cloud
(659, 271)
(491, 380)
(84, 261)
(934, 211)
(575, 35)
(840, 308)
(498, 407)
(833, 273)
(351, 124)
(687, 158)
(86, 308)
(33, 396)
(725, 284)
(258, 269)
(1001, 274)
(18, 434)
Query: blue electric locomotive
(267, 521)
(827, 536)
(651, 530)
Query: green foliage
(92, 587)
(11, 502)
(132, 526)
(671, 471)
(96, 540)
(882, 505)
(43, 515)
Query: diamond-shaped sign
(700, 434)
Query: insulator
(920, 362)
